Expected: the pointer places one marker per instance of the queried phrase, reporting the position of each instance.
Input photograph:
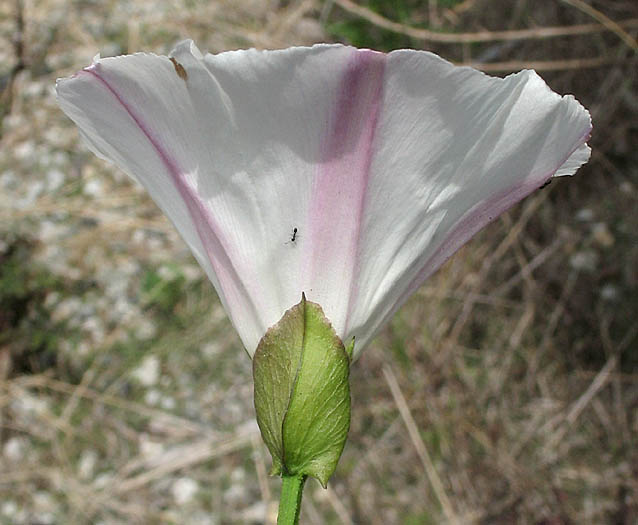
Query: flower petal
(454, 149)
(228, 146)
(138, 113)
(346, 174)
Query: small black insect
(547, 183)
(294, 237)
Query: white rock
(66, 308)
(152, 397)
(139, 236)
(238, 475)
(150, 448)
(146, 329)
(55, 179)
(627, 187)
(44, 507)
(34, 190)
(148, 372)
(9, 508)
(166, 273)
(94, 326)
(585, 215)
(8, 179)
(14, 120)
(585, 260)
(184, 490)
(155, 245)
(86, 464)
(51, 299)
(33, 89)
(49, 231)
(168, 403)
(44, 518)
(83, 348)
(60, 158)
(602, 235)
(609, 292)
(102, 480)
(43, 501)
(256, 512)
(93, 188)
(235, 493)
(14, 448)
(192, 272)
(210, 350)
(248, 427)
(24, 150)
(116, 284)
(29, 404)
(121, 309)
(202, 518)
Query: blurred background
(505, 391)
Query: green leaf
(302, 394)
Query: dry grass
(505, 391)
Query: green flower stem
(290, 500)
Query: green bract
(302, 395)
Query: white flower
(347, 174)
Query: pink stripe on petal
(232, 287)
(339, 189)
(480, 216)
(469, 225)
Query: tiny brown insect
(179, 69)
